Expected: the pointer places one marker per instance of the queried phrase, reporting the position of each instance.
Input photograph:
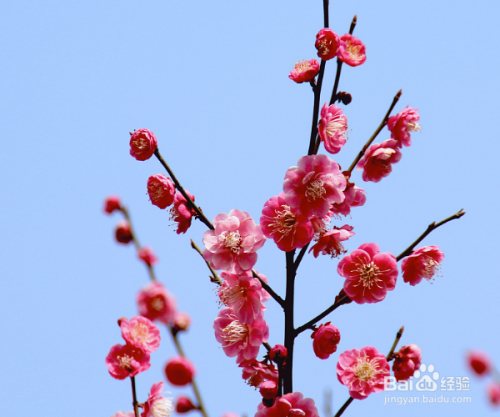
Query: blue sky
(211, 80)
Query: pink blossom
(147, 255)
(328, 241)
(239, 339)
(402, 124)
(369, 274)
(362, 371)
(289, 405)
(325, 340)
(332, 128)
(243, 293)
(126, 361)
(479, 362)
(278, 354)
(143, 144)
(123, 233)
(304, 71)
(354, 197)
(182, 321)
(377, 161)
(181, 213)
(255, 372)
(268, 389)
(422, 263)
(156, 303)
(156, 405)
(493, 390)
(141, 333)
(406, 362)
(327, 44)
(111, 204)
(161, 190)
(352, 51)
(313, 185)
(180, 371)
(184, 405)
(124, 414)
(285, 225)
(234, 242)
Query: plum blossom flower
(362, 371)
(112, 203)
(234, 242)
(327, 44)
(181, 213)
(156, 303)
(182, 321)
(304, 71)
(289, 405)
(243, 293)
(278, 353)
(352, 51)
(123, 233)
(406, 362)
(313, 185)
(156, 405)
(369, 274)
(143, 144)
(180, 371)
(184, 404)
(255, 372)
(354, 197)
(147, 255)
(285, 225)
(325, 340)
(161, 190)
(125, 361)
(332, 128)
(479, 362)
(268, 389)
(141, 333)
(239, 339)
(493, 390)
(402, 124)
(377, 161)
(328, 241)
(422, 263)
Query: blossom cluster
(482, 365)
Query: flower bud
(143, 144)
(493, 390)
(161, 190)
(406, 362)
(181, 322)
(147, 255)
(184, 405)
(479, 361)
(123, 233)
(111, 204)
(278, 353)
(268, 389)
(326, 338)
(180, 371)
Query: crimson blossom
(255, 372)
(181, 213)
(352, 51)
(239, 339)
(147, 255)
(180, 371)
(422, 263)
(161, 190)
(156, 405)
(327, 44)
(184, 404)
(313, 185)
(362, 371)
(143, 144)
(125, 361)
(234, 242)
(332, 128)
(402, 124)
(406, 362)
(123, 232)
(285, 225)
(325, 340)
(354, 197)
(377, 161)
(289, 405)
(493, 390)
(328, 241)
(141, 333)
(369, 274)
(479, 362)
(156, 303)
(111, 204)
(304, 71)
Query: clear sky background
(211, 80)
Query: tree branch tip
(355, 19)
(460, 213)
(400, 332)
(398, 95)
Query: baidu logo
(423, 380)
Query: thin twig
(317, 96)
(271, 292)
(134, 397)
(342, 409)
(215, 277)
(381, 126)
(300, 256)
(199, 213)
(429, 229)
(395, 344)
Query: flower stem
(134, 397)
(317, 96)
(289, 329)
(381, 126)
(342, 409)
(199, 213)
(429, 229)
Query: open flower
(255, 372)
(332, 128)
(289, 405)
(422, 263)
(156, 405)
(239, 339)
(402, 124)
(377, 161)
(161, 190)
(234, 242)
(181, 213)
(141, 333)
(125, 361)
(362, 371)
(156, 303)
(143, 144)
(406, 362)
(327, 44)
(285, 225)
(304, 71)
(328, 241)
(352, 51)
(313, 185)
(369, 274)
